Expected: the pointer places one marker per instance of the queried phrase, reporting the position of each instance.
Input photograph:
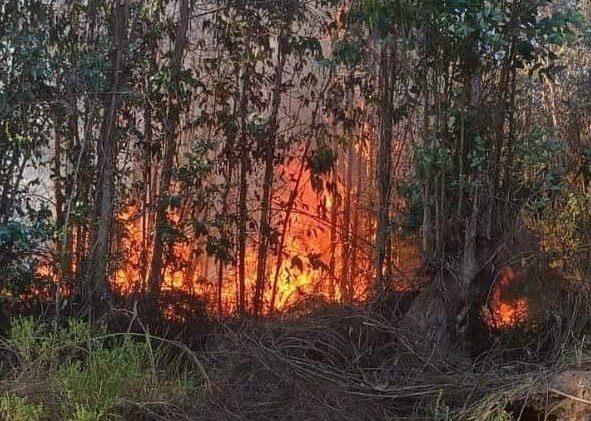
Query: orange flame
(127, 277)
(505, 311)
(301, 269)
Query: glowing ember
(505, 311)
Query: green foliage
(33, 341)
(479, 155)
(321, 162)
(433, 158)
(565, 230)
(491, 408)
(199, 165)
(16, 408)
(219, 247)
(562, 26)
(93, 375)
(25, 337)
(84, 414)
(538, 171)
(384, 16)
(346, 52)
(20, 248)
(465, 152)
(410, 221)
(93, 387)
(24, 82)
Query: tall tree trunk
(265, 219)
(345, 280)
(57, 176)
(67, 232)
(60, 245)
(384, 159)
(148, 180)
(334, 201)
(471, 128)
(549, 95)
(285, 227)
(171, 137)
(98, 298)
(427, 223)
(243, 194)
(147, 199)
(355, 229)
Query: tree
(174, 107)
(470, 56)
(96, 263)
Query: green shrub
(25, 337)
(92, 375)
(16, 408)
(33, 340)
(107, 376)
(84, 414)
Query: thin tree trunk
(59, 213)
(291, 202)
(8, 187)
(288, 210)
(549, 96)
(96, 275)
(242, 195)
(149, 185)
(345, 280)
(427, 223)
(220, 287)
(472, 100)
(57, 182)
(355, 228)
(384, 164)
(145, 220)
(70, 253)
(334, 194)
(171, 137)
(265, 222)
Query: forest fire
(127, 278)
(295, 209)
(504, 309)
(299, 267)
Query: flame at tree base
(505, 311)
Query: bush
(85, 374)
(107, 377)
(21, 246)
(33, 341)
(16, 408)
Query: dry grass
(346, 364)
(342, 364)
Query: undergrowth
(17, 408)
(330, 364)
(79, 373)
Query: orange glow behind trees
(302, 272)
